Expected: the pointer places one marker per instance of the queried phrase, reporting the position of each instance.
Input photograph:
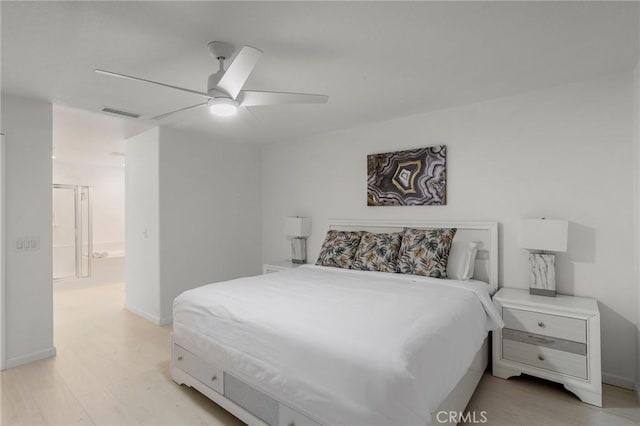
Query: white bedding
(346, 347)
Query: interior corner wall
(210, 212)
(636, 192)
(142, 225)
(564, 152)
(27, 125)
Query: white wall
(29, 316)
(210, 212)
(2, 248)
(636, 215)
(200, 201)
(107, 197)
(142, 225)
(563, 153)
(2, 230)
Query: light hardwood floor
(112, 368)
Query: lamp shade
(295, 226)
(543, 234)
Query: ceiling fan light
(223, 107)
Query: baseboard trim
(144, 314)
(28, 358)
(166, 321)
(615, 380)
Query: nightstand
(283, 265)
(555, 338)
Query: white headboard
(484, 233)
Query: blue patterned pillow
(378, 252)
(426, 251)
(339, 248)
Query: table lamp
(298, 229)
(542, 236)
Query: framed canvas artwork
(415, 177)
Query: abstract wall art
(416, 177)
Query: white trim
(33, 356)
(489, 226)
(2, 255)
(620, 381)
(146, 315)
(166, 321)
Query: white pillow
(462, 259)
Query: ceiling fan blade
(248, 117)
(259, 98)
(238, 72)
(166, 114)
(129, 77)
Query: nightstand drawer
(549, 325)
(549, 359)
(270, 269)
(283, 265)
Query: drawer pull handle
(540, 324)
(541, 357)
(214, 378)
(180, 358)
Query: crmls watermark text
(456, 417)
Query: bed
(318, 345)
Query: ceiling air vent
(120, 112)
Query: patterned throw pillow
(425, 251)
(378, 252)
(338, 249)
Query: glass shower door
(72, 238)
(85, 237)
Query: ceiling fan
(225, 92)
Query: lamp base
(299, 250)
(542, 277)
(542, 292)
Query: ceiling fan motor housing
(221, 49)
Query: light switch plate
(28, 244)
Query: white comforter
(348, 347)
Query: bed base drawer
(290, 417)
(253, 401)
(257, 403)
(208, 374)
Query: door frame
(2, 254)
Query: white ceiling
(375, 60)
(89, 138)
